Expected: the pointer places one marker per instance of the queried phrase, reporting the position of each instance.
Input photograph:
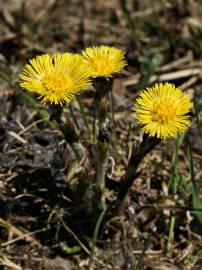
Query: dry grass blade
(176, 75)
(23, 236)
(8, 263)
(19, 233)
(17, 137)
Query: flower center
(56, 81)
(163, 111)
(101, 63)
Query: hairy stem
(103, 88)
(103, 147)
(138, 153)
(71, 136)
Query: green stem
(173, 183)
(95, 236)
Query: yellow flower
(104, 61)
(162, 110)
(55, 78)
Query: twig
(17, 137)
(74, 236)
(22, 237)
(31, 125)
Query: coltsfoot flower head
(104, 61)
(55, 78)
(163, 110)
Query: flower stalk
(68, 130)
(83, 190)
(138, 153)
(103, 88)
